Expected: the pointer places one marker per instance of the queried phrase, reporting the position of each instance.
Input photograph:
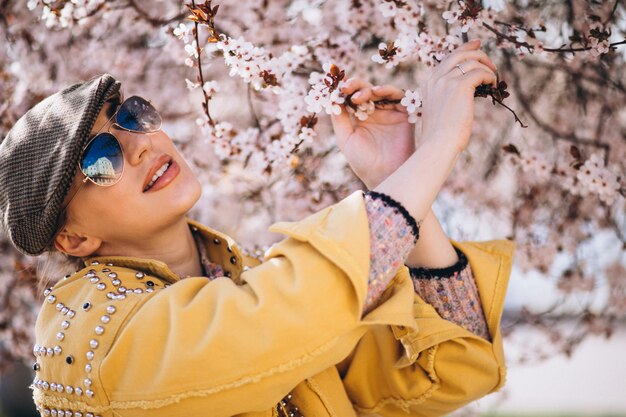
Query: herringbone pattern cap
(39, 157)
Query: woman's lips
(167, 177)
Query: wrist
(443, 142)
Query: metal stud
(71, 313)
(60, 336)
(109, 264)
(138, 291)
(69, 389)
(150, 289)
(89, 355)
(69, 359)
(46, 412)
(57, 350)
(106, 269)
(65, 310)
(93, 343)
(53, 412)
(87, 382)
(87, 306)
(113, 275)
(68, 413)
(65, 324)
(60, 306)
(99, 329)
(89, 393)
(111, 295)
(51, 299)
(95, 263)
(122, 289)
(60, 388)
(120, 297)
(110, 309)
(116, 282)
(105, 319)
(47, 292)
(101, 286)
(78, 391)
(140, 275)
(89, 415)
(49, 351)
(45, 385)
(93, 280)
(88, 368)
(78, 414)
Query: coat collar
(222, 249)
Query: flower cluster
(595, 178)
(363, 110)
(322, 94)
(413, 103)
(65, 13)
(535, 165)
(254, 65)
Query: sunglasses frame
(87, 178)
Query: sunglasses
(102, 158)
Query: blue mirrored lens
(103, 160)
(138, 115)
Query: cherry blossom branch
(513, 39)
(194, 18)
(565, 136)
(154, 21)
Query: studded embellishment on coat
(285, 407)
(76, 339)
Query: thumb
(342, 125)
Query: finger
(342, 125)
(477, 55)
(387, 91)
(469, 66)
(479, 76)
(353, 84)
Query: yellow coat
(132, 339)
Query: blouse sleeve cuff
(453, 293)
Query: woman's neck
(174, 245)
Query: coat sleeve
(436, 366)
(228, 348)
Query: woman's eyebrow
(112, 106)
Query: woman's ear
(75, 244)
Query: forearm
(433, 249)
(416, 183)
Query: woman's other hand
(377, 146)
(448, 94)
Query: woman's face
(126, 213)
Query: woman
(168, 317)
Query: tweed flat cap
(39, 157)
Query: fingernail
(357, 95)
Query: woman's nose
(137, 146)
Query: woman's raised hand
(447, 117)
(374, 147)
(448, 94)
